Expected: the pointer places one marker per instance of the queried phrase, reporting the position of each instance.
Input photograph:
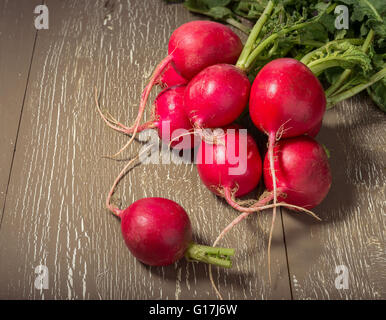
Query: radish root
(145, 95)
(116, 125)
(182, 135)
(258, 206)
(115, 210)
(135, 128)
(271, 144)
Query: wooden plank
(353, 229)
(17, 36)
(55, 212)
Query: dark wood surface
(53, 183)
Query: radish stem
(216, 256)
(355, 90)
(253, 35)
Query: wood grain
(54, 210)
(353, 229)
(17, 36)
(54, 214)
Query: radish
(216, 96)
(303, 176)
(168, 117)
(303, 181)
(170, 77)
(230, 165)
(199, 44)
(313, 132)
(158, 231)
(193, 47)
(171, 117)
(286, 100)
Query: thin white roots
(272, 140)
(244, 215)
(180, 136)
(116, 211)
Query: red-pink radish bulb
(156, 230)
(286, 98)
(302, 171)
(171, 77)
(216, 161)
(217, 96)
(313, 132)
(172, 119)
(199, 44)
(192, 47)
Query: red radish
(286, 100)
(302, 171)
(158, 232)
(303, 180)
(168, 117)
(199, 44)
(217, 96)
(216, 163)
(192, 47)
(170, 77)
(230, 165)
(169, 110)
(313, 132)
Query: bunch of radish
(157, 231)
(205, 87)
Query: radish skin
(168, 114)
(170, 77)
(199, 44)
(232, 150)
(286, 99)
(302, 171)
(313, 132)
(217, 96)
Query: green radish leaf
(340, 34)
(219, 13)
(249, 9)
(332, 74)
(377, 92)
(372, 13)
(334, 54)
(315, 32)
(216, 3)
(208, 8)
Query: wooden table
(53, 181)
